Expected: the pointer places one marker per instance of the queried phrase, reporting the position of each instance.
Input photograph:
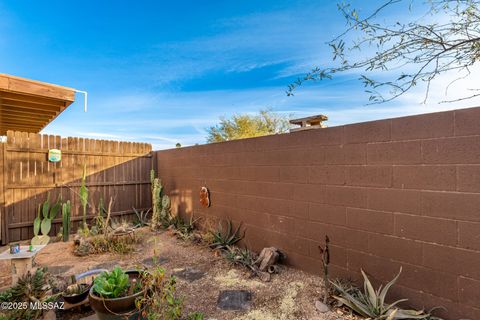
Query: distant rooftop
(308, 123)
(27, 105)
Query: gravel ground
(290, 295)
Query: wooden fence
(114, 169)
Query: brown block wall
(389, 193)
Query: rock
(235, 300)
(268, 257)
(321, 307)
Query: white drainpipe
(85, 94)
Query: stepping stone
(236, 300)
(58, 270)
(153, 261)
(189, 274)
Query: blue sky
(164, 71)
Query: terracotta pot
(116, 308)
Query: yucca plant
(224, 238)
(371, 303)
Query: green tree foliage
(438, 36)
(241, 126)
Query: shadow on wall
(182, 203)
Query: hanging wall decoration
(204, 197)
(54, 155)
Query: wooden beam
(28, 105)
(25, 114)
(37, 88)
(17, 109)
(31, 99)
(18, 119)
(31, 106)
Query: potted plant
(80, 287)
(113, 294)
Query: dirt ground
(290, 295)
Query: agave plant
(33, 287)
(223, 239)
(238, 256)
(183, 228)
(142, 217)
(371, 303)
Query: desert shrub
(120, 244)
(161, 301)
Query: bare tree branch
(428, 48)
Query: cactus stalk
(66, 210)
(160, 203)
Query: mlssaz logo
(37, 305)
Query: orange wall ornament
(204, 197)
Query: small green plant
(66, 212)
(98, 223)
(223, 238)
(370, 303)
(183, 229)
(142, 218)
(112, 284)
(196, 316)
(161, 301)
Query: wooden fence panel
(2, 190)
(114, 169)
